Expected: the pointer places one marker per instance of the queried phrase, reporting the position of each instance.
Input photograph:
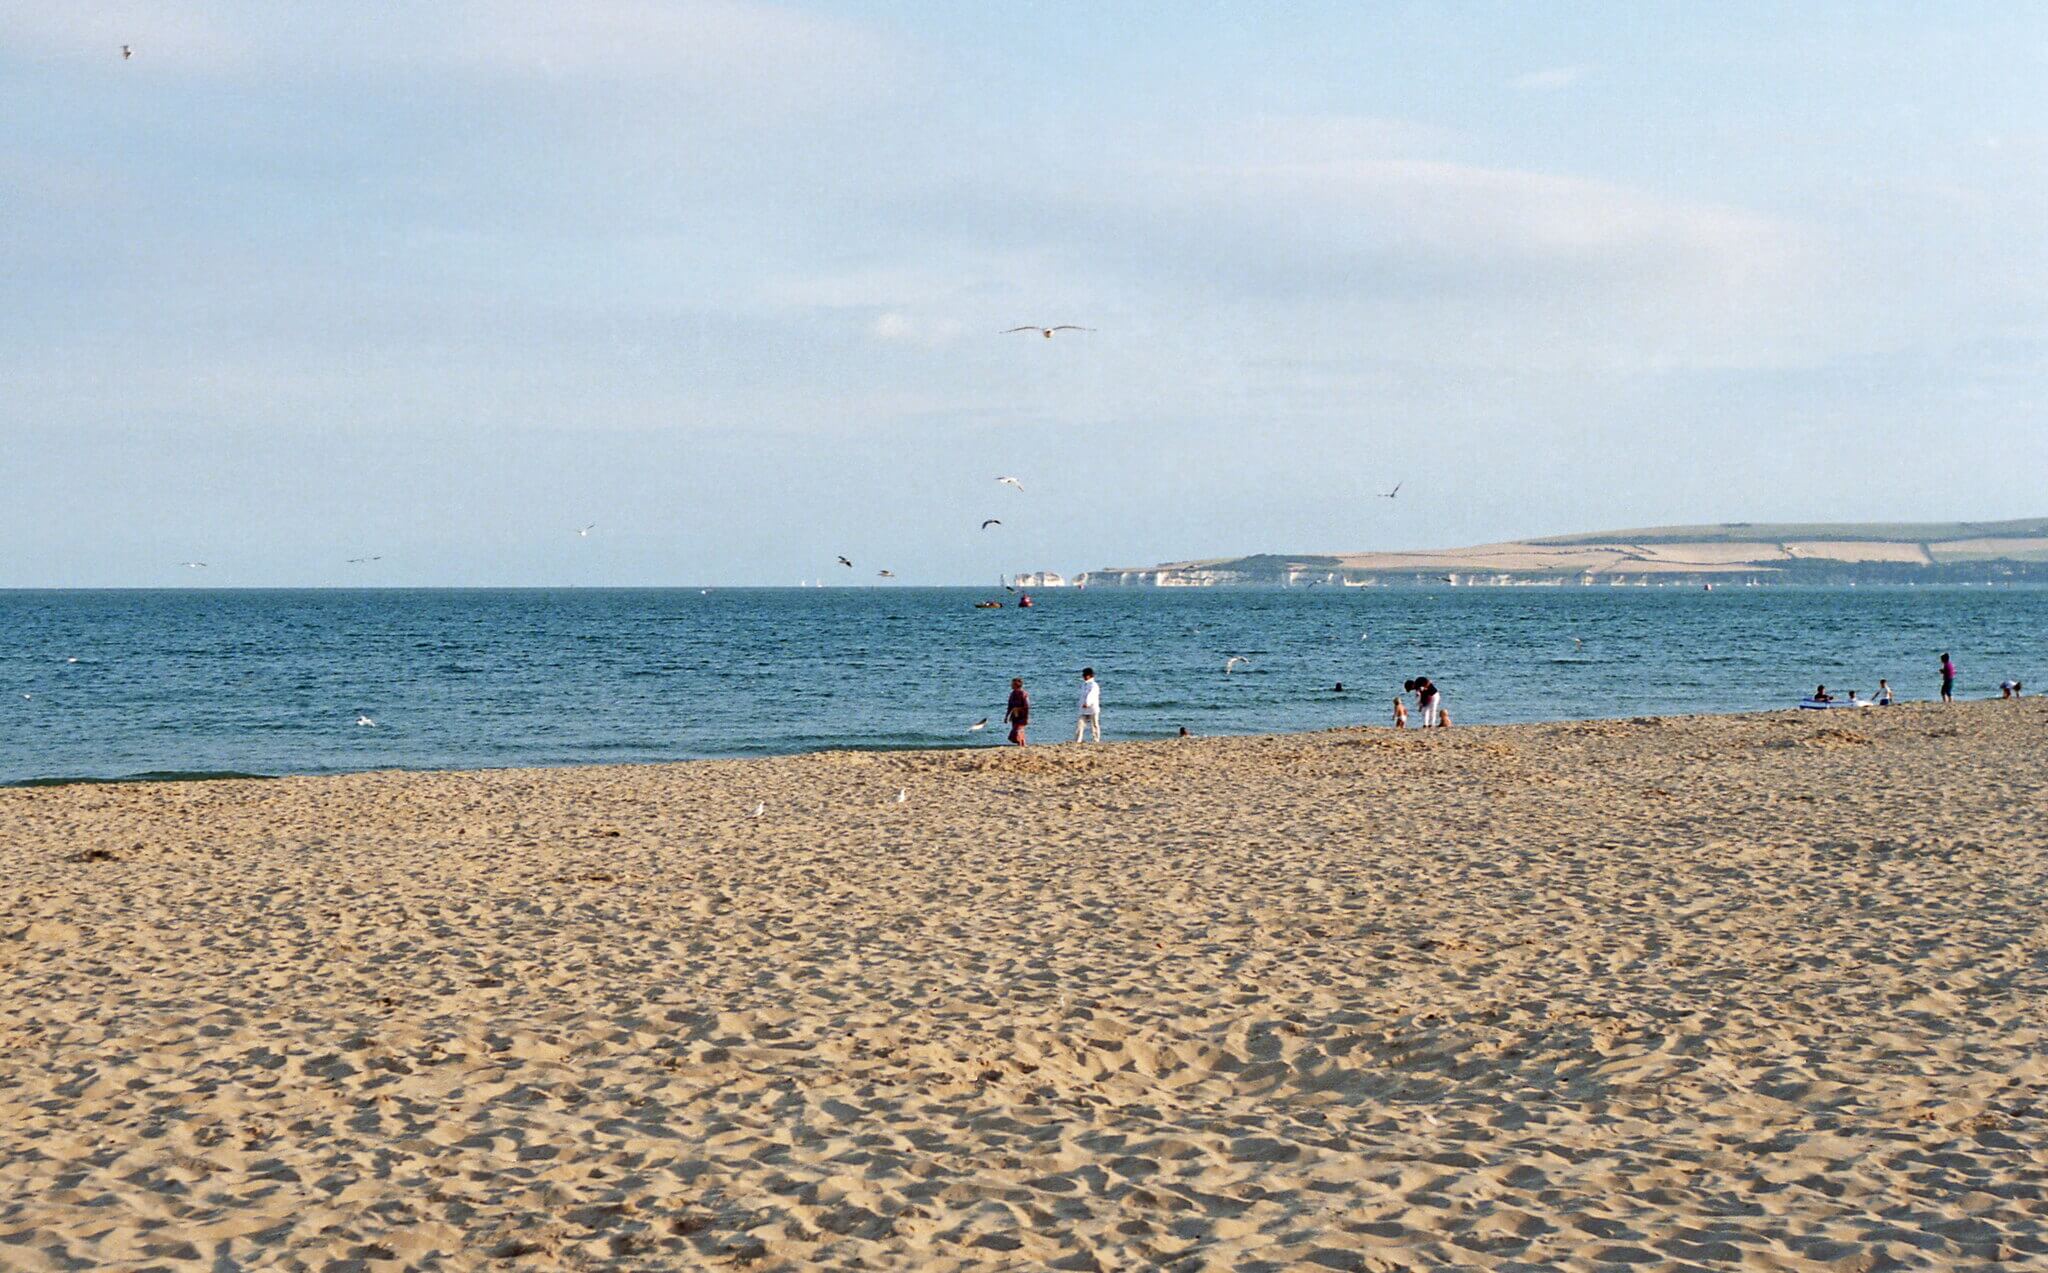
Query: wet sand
(1759, 992)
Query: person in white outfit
(1090, 706)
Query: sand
(1757, 993)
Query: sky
(442, 284)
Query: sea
(196, 683)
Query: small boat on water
(988, 605)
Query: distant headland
(1730, 554)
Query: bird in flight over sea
(357, 561)
(126, 53)
(585, 532)
(991, 522)
(363, 719)
(1010, 481)
(1391, 494)
(1578, 643)
(844, 562)
(193, 565)
(1046, 331)
(885, 574)
(978, 726)
(1233, 661)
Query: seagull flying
(1046, 331)
(1233, 661)
(844, 562)
(991, 522)
(1011, 481)
(978, 726)
(126, 53)
(357, 561)
(72, 659)
(193, 565)
(585, 532)
(1391, 494)
(885, 574)
(363, 719)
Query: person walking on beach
(1948, 678)
(1089, 718)
(1400, 712)
(1884, 693)
(1018, 713)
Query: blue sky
(303, 283)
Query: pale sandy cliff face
(1726, 552)
(1761, 993)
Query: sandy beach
(1763, 992)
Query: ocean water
(193, 682)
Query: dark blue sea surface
(197, 682)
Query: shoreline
(156, 777)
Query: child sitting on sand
(1400, 712)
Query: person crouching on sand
(1018, 713)
(1400, 712)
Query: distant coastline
(1738, 554)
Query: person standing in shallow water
(1948, 678)
(1018, 713)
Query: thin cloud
(1550, 79)
(751, 55)
(895, 327)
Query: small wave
(152, 775)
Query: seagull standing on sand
(1046, 331)
(760, 808)
(1233, 661)
(1010, 481)
(902, 794)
